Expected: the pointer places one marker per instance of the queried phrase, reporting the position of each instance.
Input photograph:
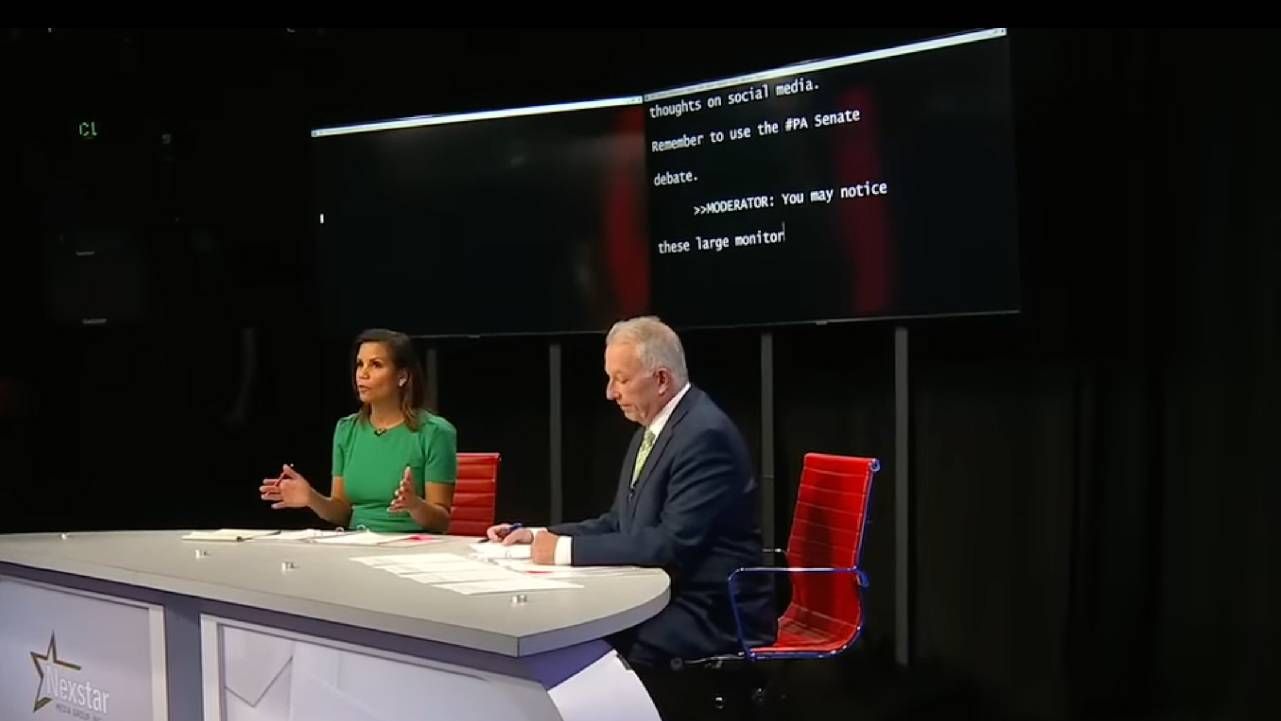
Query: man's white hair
(657, 345)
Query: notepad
(309, 534)
(460, 575)
(520, 583)
(228, 534)
(364, 538)
(550, 571)
(498, 550)
(493, 573)
(424, 560)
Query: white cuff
(564, 548)
(564, 551)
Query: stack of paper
(227, 534)
(309, 534)
(546, 571)
(520, 583)
(458, 574)
(498, 550)
(365, 538)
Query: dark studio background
(1094, 485)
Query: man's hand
(544, 550)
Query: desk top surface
(325, 583)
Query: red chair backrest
(827, 532)
(475, 494)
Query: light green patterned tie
(647, 445)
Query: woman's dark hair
(413, 395)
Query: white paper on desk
(477, 572)
(485, 573)
(551, 571)
(363, 538)
(520, 583)
(491, 573)
(417, 539)
(309, 534)
(425, 577)
(434, 560)
(378, 561)
(437, 568)
(401, 570)
(227, 534)
(498, 550)
(425, 560)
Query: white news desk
(145, 625)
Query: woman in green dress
(395, 463)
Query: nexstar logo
(54, 686)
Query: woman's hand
(406, 499)
(290, 490)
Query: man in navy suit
(687, 502)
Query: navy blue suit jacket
(693, 512)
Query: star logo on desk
(50, 657)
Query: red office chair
(825, 615)
(474, 494)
